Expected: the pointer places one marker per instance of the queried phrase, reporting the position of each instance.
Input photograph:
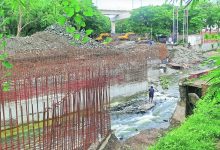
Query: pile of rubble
(54, 39)
(185, 57)
(61, 31)
(132, 107)
(40, 41)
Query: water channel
(128, 125)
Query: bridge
(115, 15)
(119, 10)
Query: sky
(125, 4)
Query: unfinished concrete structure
(192, 89)
(59, 98)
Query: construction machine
(102, 36)
(126, 36)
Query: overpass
(117, 10)
(120, 9)
(115, 15)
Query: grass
(212, 36)
(165, 81)
(199, 132)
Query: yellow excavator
(102, 36)
(126, 36)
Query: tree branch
(29, 23)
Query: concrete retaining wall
(207, 46)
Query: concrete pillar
(113, 27)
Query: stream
(128, 125)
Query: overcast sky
(125, 4)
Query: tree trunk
(218, 28)
(19, 27)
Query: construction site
(60, 94)
(80, 75)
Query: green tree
(123, 26)
(198, 17)
(25, 12)
(28, 16)
(98, 22)
(155, 18)
(216, 15)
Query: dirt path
(142, 140)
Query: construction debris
(61, 31)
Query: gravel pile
(61, 31)
(184, 56)
(54, 39)
(40, 41)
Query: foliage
(201, 130)
(212, 36)
(98, 22)
(160, 19)
(203, 16)
(6, 65)
(73, 17)
(26, 17)
(123, 26)
(164, 82)
(107, 40)
(157, 18)
(181, 2)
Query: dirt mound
(55, 39)
(39, 41)
(184, 56)
(61, 31)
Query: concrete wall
(188, 91)
(207, 46)
(195, 39)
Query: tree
(155, 18)
(216, 15)
(98, 22)
(26, 12)
(181, 2)
(160, 18)
(26, 17)
(198, 17)
(123, 26)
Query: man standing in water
(151, 94)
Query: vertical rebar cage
(55, 108)
(61, 101)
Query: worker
(151, 94)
